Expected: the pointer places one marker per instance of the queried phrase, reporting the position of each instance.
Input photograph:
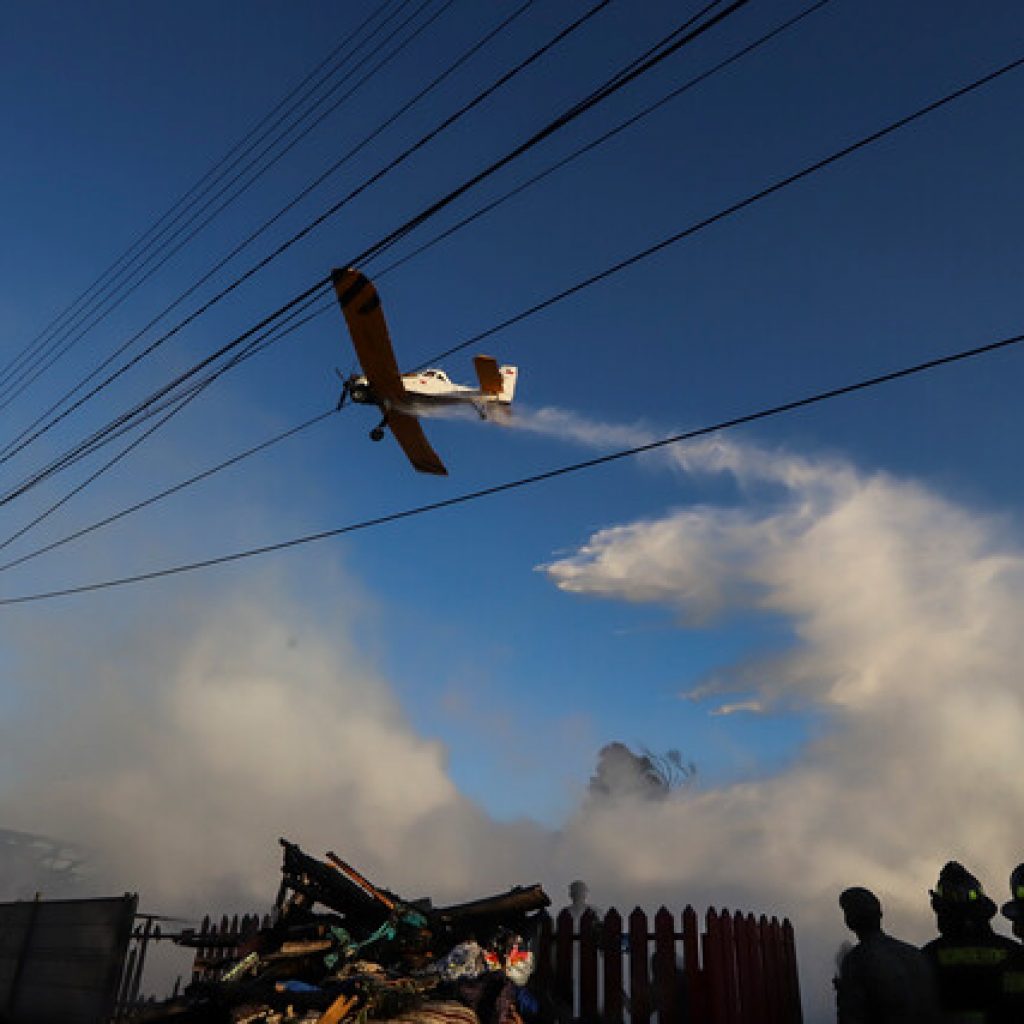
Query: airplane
(403, 397)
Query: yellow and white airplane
(403, 397)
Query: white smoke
(178, 746)
(906, 611)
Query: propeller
(346, 389)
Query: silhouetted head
(861, 910)
(578, 892)
(1014, 910)
(959, 902)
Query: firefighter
(881, 980)
(968, 957)
(1014, 910)
(1013, 976)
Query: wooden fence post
(769, 941)
(612, 946)
(756, 954)
(696, 996)
(794, 1013)
(544, 951)
(667, 978)
(588, 967)
(639, 990)
(564, 980)
(729, 963)
(714, 962)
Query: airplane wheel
(377, 434)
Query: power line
(267, 224)
(620, 80)
(586, 282)
(177, 407)
(603, 92)
(664, 243)
(174, 489)
(527, 481)
(183, 201)
(600, 140)
(23, 441)
(646, 111)
(126, 417)
(749, 418)
(728, 211)
(13, 389)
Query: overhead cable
(621, 79)
(176, 407)
(244, 144)
(778, 186)
(600, 140)
(167, 249)
(29, 436)
(527, 481)
(736, 421)
(267, 224)
(621, 264)
(646, 111)
(174, 488)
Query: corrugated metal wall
(61, 959)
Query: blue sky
(897, 253)
(905, 250)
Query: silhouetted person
(881, 980)
(1014, 910)
(1013, 975)
(578, 905)
(968, 957)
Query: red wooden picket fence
(738, 970)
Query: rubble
(340, 948)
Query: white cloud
(179, 746)
(736, 707)
(906, 611)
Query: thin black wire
(174, 489)
(22, 442)
(266, 225)
(631, 260)
(527, 481)
(616, 82)
(118, 421)
(789, 23)
(600, 140)
(183, 200)
(752, 417)
(253, 348)
(276, 334)
(728, 211)
(167, 250)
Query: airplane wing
(361, 306)
(488, 374)
(409, 434)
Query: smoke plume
(181, 745)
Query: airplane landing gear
(377, 434)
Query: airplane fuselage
(424, 388)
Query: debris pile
(341, 949)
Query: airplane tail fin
(499, 381)
(509, 376)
